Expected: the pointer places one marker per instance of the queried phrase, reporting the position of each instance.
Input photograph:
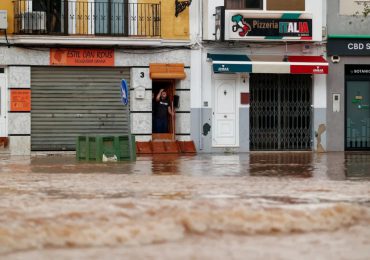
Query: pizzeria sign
(271, 26)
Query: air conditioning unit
(3, 20)
(33, 21)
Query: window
(39, 5)
(244, 4)
(254, 4)
(271, 5)
(292, 5)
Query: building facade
(349, 78)
(262, 69)
(62, 66)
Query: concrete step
(165, 147)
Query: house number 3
(142, 75)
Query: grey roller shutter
(67, 102)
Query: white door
(3, 106)
(225, 113)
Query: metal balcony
(93, 18)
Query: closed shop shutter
(68, 102)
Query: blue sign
(124, 92)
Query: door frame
(237, 78)
(4, 103)
(172, 125)
(346, 79)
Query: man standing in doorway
(163, 108)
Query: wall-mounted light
(181, 6)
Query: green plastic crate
(118, 147)
(81, 148)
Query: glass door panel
(358, 115)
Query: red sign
(20, 100)
(82, 57)
(244, 98)
(309, 69)
(314, 65)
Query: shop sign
(271, 26)
(358, 70)
(20, 100)
(349, 47)
(309, 69)
(82, 57)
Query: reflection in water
(334, 166)
(166, 164)
(282, 164)
(357, 165)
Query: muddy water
(257, 206)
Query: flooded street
(247, 206)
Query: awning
(226, 63)
(167, 71)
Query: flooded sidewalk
(245, 206)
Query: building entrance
(358, 115)
(163, 123)
(280, 112)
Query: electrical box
(140, 92)
(336, 102)
(3, 20)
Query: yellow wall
(172, 27)
(8, 5)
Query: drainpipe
(199, 36)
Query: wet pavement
(255, 206)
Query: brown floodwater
(226, 206)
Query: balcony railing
(99, 17)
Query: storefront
(263, 77)
(78, 91)
(349, 94)
(266, 102)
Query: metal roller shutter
(67, 102)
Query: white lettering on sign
(358, 46)
(318, 70)
(359, 71)
(223, 69)
(292, 28)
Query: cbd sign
(358, 46)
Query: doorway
(225, 112)
(280, 112)
(163, 130)
(3, 106)
(358, 115)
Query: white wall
(209, 9)
(350, 7)
(319, 91)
